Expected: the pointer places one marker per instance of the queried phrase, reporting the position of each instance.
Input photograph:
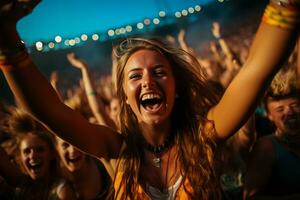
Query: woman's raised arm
(271, 47)
(35, 94)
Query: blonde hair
(284, 85)
(194, 143)
(22, 124)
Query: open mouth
(35, 166)
(151, 102)
(74, 160)
(292, 120)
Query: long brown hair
(194, 143)
(22, 124)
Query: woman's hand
(216, 30)
(76, 62)
(11, 11)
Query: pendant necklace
(157, 151)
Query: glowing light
(140, 25)
(39, 46)
(156, 21)
(147, 21)
(111, 32)
(191, 10)
(51, 45)
(197, 8)
(84, 37)
(117, 31)
(77, 40)
(221, 1)
(122, 30)
(66, 42)
(95, 37)
(58, 39)
(72, 42)
(184, 12)
(178, 14)
(162, 13)
(128, 28)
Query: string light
(147, 21)
(184, 12)
(156, 21)
(162, 13)
(121, 30)
(58, 39)
(39, 46)
(128, 28)
(95, 37)
(140, 25)
(117, 31)
(51, 45)
(191, 10)
(72, 42)
(178, 14)
(66, 42)
(77, 40)
(111, 32)
(84, 37)
(197, 8)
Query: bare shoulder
(109, 139)
(65, 191)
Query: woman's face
(70, 156)
(149, 86)
(35, 155)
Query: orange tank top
(182, 192)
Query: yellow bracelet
(285, 12)
(282, 18)
(14, 60)
(276, 23)
(292, 20)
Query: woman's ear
(126, 100)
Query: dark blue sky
(70, 18)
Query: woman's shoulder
(62, 189)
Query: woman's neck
(156, 134)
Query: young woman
(38, 176)
(86, 174)
(170, 122)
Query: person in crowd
(171, 124)
(274, 166)
(95, 103)
(38, 176)
(86, 174)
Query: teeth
(35, 163)
(74, 159)
(150, 96)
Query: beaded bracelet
(9, 63)
(19, 47)
(12, 56)
(287, 18)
